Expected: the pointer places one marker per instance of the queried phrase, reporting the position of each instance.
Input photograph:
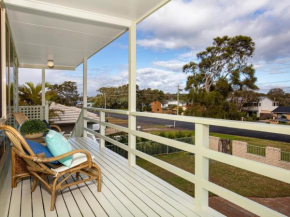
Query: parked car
(283, 120)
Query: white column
(3, 63)
(43, 88)
(201, 164)
(132, 92)
(85, 85)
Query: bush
(33, 126)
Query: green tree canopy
(221, 76)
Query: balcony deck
(126, 191)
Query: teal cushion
(58, 145)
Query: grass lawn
(245, 183)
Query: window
(260, 104)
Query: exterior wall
(273, 155)
(214, 143)
(174, 102)
(156, 107)
(266, 105)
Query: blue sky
(173, 35)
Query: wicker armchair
(20, 118)
(39, 166)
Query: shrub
(33, 126)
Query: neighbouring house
(262, 108)
(282, 112)
(184, 108)
(156, 107)
(68, 115)
(166, 104)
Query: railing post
(102, 129)
(46, 112)
(132, 94)
(201, 164)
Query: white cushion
(78, 159)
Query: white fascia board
(69, 12)
(153, 10)
(34, 66)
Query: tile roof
(282, 109)
(70, 115)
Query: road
(214, 129)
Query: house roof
(67, 31)
(282, 109)
(70, 114)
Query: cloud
(173, 65)
(165, 80)
(193, 25)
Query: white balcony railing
(201, 151)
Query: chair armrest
(56, 127)
(47, 160)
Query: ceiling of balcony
(66, 31)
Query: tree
(221, 76)
(277, 94)
(30, 94)
(65, 93)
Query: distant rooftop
(282, 109)
(70, 114)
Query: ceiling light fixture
(50, 64)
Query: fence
(32, 112)
(202, 152)
(285, 156)
(257, 150)
(152, 148)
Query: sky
(172, 36)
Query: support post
(102, 129)
(3, 64)
(85, 99)
(201, 164)
(132, 93)
(46, 112)
(43, 88)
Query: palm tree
(31, 94)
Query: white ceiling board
(66, 31)
(124, 9)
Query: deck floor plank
(126, 191)
(70, 202)
(181, 196)
(60, 205)
(161, 191)
(144, 195)
(37, 204)
(142, 185)
(26, 209)
(15, 203)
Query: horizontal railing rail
(202, 154)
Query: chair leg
(99, 180)
(13, 182)
(77, 175)
(34, 184)
(53, 193)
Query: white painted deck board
(157, 196)
(126, 191)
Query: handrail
(107, 110)
(202, 154)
